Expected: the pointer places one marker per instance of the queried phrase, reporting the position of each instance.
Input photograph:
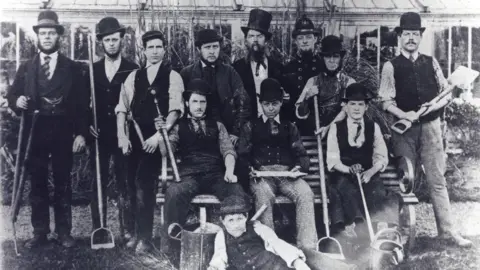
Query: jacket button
(299, 69)
(314, 68)
(299, 77)
(299, 86)
(314, 60)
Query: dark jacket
(72, 81)
(275, 71)
(235, 106)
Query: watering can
(386, 251)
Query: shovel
(102, 230)
(327, 239)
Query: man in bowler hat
(257, 65)
(303, 65)
(142, 88)
(109, 73)
(409, 82)
(229, 102)
(55, 86)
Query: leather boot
(37, 241)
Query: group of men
(221, 120)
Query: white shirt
(52, 64)
(111, 67)
(262, 75)
(407, 54)
(277, 118)
(152, 71)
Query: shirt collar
(157, 65)
(189, 116)
(336, 75)
(350, 121)
(407, 54)
(53, 56)
(205, 65)
(277, 118)
(116, 61)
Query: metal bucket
(197, 246)
(385, 252)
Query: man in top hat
(155, 82)
(303, 65)
(272, 143)
(257, 65)
(229, 102)
(109, 74)
(410, 81)
(329, 86)
(207, 154)
(53, 85)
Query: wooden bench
(398, 171)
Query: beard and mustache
(256, 52)
(112, 55)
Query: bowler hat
(304, 26)
(48, 18)
(234, 204)
(356, 92)
(332, 44)
(258, 20)
(107, 26)
(410, 21)
(153, 34)
(270, 89)
(206, 36)
(197, 86)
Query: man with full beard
(304, 65)
(257, 66)
(229, 102)
(109, 73)
(54, 86)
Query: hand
(160, 123)
(367, 175)
(22, 102)
(234, 139)
(356, 168)
(296, 169)
(311, 91)
(151, 144)
(299, 264)
(411, 116)
(94, 132)
(230, 177)
(125, 145)
(323, 131)
(78, 144)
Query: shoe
(132, 243)
(143, 247)
(457, 239)
(66, 240)
(37, 241)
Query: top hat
(48, 18)
(197, 86)
(107, 26)
(332, 44)
(259, 20)
(206, 36)
(356, 92)
(235, 204)
(410, 21)
(304, 26)
(153, 34)
(270, 89)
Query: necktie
(257, 70)
(273, 126)
(359, 128)
(199, 127)
(46, 66)
(411, 58)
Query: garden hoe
(102, 230)
(327, 240)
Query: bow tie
(260, 63)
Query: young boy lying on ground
(246, 244)
(355, 145)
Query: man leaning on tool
(109, 73)
(56, 87)
(156, 80)
(410, 81)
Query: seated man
(207, 154)
(272, 144)
(246, 244)
(355, 145)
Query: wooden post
(17, 47)
(358, 46)
(72, 42)
(379, 44)
(469, 54)
(449, 56)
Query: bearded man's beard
(333, 73)
(208, 63)
(49, 51)
(112, 55)
(257, 55)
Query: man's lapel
(31, 77)
(62, 76)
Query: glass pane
(440, 41)
(129, 49)
(476, 60)
(8, 49)
(459, 46)
(65, 41)
(80, 49)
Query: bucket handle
(170, 229)
(387, 230)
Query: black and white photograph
(240, 134)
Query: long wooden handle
(18, 159)
(367, 213)
(259, 212)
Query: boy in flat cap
(56, 87)
(355, 145)
(137, 100)
(246, 244)
(110, 73)
(271, 143)
(207, 155)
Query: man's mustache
(412, 42)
